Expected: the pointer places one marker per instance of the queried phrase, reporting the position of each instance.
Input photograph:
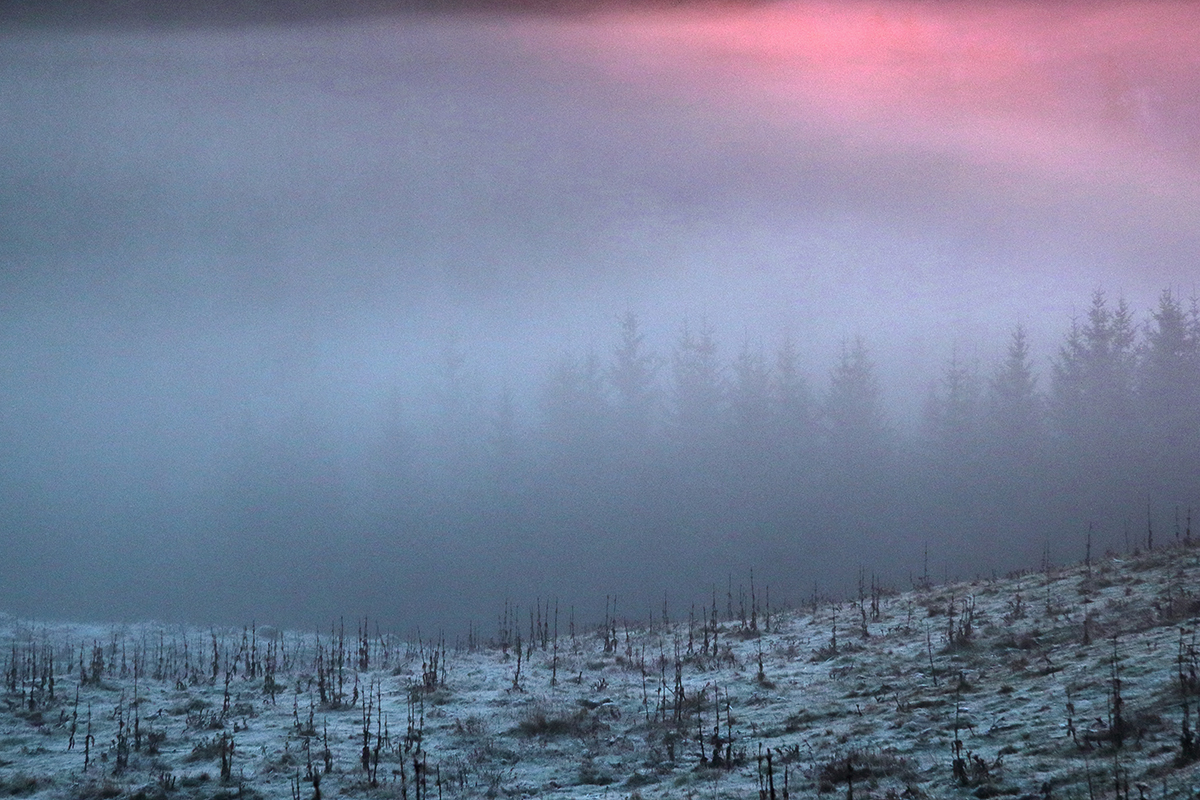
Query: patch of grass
(640, 779)
(244, 710)
(238, 793)
(21, 784)
(34, 718)
(868, 766)
(102, 790)
(472, 726)
(193, 705)
(545, 721)
(592, 775)
(205, 750)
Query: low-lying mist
(651, 475)
(413, 311)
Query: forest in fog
(428, 311)
(649, 473)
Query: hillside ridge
(1078, 681)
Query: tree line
(638, 469)
(696, 443)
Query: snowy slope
(1066, 683)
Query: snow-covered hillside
(1077, 682)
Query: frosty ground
(1073, 682)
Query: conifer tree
(1169, 396)
(698, 390)
(792, 400)
(751, 413)
(574, 408)
(1169, 368)
(1015, 408)
(632, 377)
(1093, 378)
(853, 410)
(953, 414)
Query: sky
(217, 224)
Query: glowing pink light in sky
(1106, 94)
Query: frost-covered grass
(1069, 683)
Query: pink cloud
(1102, 97)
